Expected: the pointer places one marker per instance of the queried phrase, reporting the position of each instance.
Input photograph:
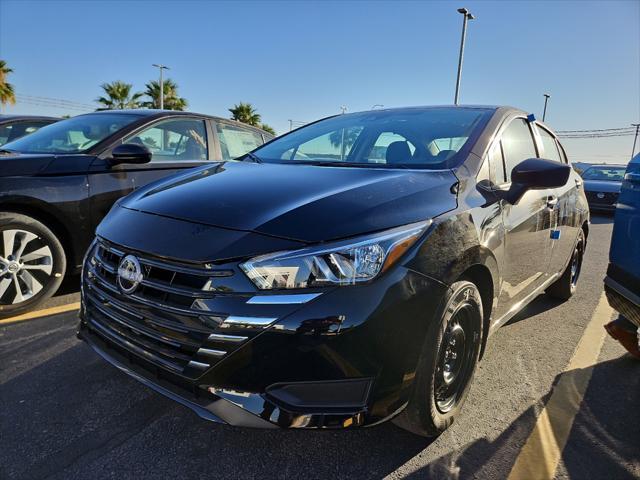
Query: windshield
(74, 135)
(611, 174)
(411, 138)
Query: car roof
(153, 113)
(10, 117)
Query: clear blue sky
(303, 60)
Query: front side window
(174, 140)
(517, 145)
(549, 145)
(408, 138)
(235, 141)
(74, 135)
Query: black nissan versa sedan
(57, 183)
(348, 272)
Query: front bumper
(346, 358)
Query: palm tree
(268, 128)
(171, 99)
(7, 93)
(118, 96)
(245, 113)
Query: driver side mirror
(535, 174)
(130, 153)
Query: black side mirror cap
(535, 174)
(130, 153)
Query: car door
(625, 242)
(564, 214)
(527, 223)
(176, 143)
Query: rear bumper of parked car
(623, 293)
(345, 358)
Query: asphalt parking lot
(67, 414)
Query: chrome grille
(157, 321)
(610, 198)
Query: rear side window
(235, 141)
(549, 145)
(517, 145)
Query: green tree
(118, 96)
(245, 113)
(268, 128)
(172, 101)
(7, 93)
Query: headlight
(341, 263)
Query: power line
(53, 103)
(595, 130)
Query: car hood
(602, 186)
(31, 164)
(299, 202)
(12, 165)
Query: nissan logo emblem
(129, 274)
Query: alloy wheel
(26, 265)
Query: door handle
(578, 183)
(552, 201)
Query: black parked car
(58, 183)
(348, 272)
(13, 127)
(602, 185)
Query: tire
(32, 263)
(566, 285)
(434, 403)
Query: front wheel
(32, 263)
(447, 363)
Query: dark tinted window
(517, 144)
(13, 131)
(549, 145)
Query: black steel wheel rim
(455, 359)
(576, 264)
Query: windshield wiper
(254, 158)
(4, 151)
(351, 164)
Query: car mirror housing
(535, 174)
(130, 153)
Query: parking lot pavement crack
(95, 444)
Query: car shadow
(93, 411)
(602, 218)
(603, 442)
(539, 305)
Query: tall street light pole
(633, 151)
(546, 99)
(466, 15)
(161, 67)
